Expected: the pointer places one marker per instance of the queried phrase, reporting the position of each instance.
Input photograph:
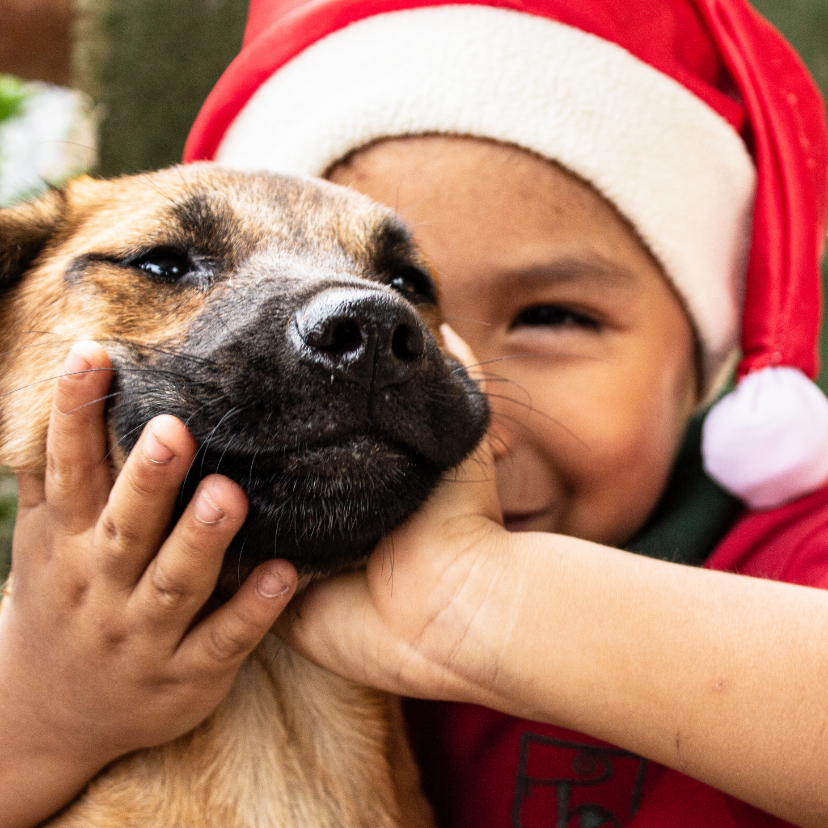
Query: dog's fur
(276, 317)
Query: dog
(294, 326)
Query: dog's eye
(414, 284)
(164, 263)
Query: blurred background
(113, 86)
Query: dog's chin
(341, 463)
(323, 508)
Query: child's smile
(591, 354)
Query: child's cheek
(628, 446)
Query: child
(576, 174)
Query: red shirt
(483, 769)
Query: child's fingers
(137, 516)
(457, 346)
(31, 490)
(464, 503)
(181, 577)
(77, 476)
(225, 637)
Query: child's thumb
(458, 348)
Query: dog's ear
(25, 230)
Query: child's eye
(554, 316)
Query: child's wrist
(479, 669)
(500, 664)
(42, 782)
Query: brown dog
(293, 326)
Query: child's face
(591, 354)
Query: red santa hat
(694, 118)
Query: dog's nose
(368, 337)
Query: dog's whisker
(217, 315)
(239, 560)
(202, 450)
(476, 457)
(149, 182)
(471, 319)
(206, 445)
(51, 379)
(197, 411)
(489, 362)
(185, 482)
(388, 547)
(529, 406)
(227, 445)
(157, 349)
(525, 356)
(531, 409)
(496, 441)
(488, 376)
(61, 341)
(33, 345)
(125, 437)
(252, 463)
(276, 531)
(111, 396)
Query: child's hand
(408, 623)
(99, 652)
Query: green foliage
(8, 508)
(150, 64)
(805, 24)
(12, 94)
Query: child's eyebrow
(594, 272)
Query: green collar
(693, 515)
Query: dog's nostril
(364, 336)
(340, 336)
(407, 343)
(335, 335)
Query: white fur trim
(767, 441)
(668, 162)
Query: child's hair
(694, 118)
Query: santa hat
(693, 117)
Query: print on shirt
(584, 786)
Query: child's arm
(720, 676)
(97, 657)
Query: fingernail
(271, 584)
(155, 450)
(207, 511)
(76, 362)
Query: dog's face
(291, 325)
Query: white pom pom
(767, 441)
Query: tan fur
(291, 746)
